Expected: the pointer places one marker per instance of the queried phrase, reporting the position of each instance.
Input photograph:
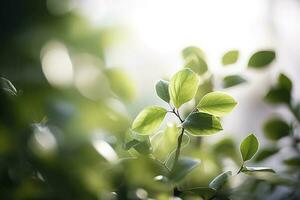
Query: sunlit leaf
(205, 86)
(183, 87)
(261, 59)
(276, 128)
(249, 147)
(192, 51)
(233, 80)
(162, 90)
(249, 170)
(183, 167)
(201, 124)
(149, 120)
(197, 65)
(220, 180)
(217, 103)
(230, 57)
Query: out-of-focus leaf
(162, 90)
(182, 168)
(195, 60)
(278, 95)
(226, 147)
(206, 86)
(8, 87)
(204, 192)
(276, 128)
(220, 180)
(121, 84)
(192, 51)
(261, 59)
(249, 147)
(183, 87)
(233, 80)
(285, 82)
(149, 120)
(143, 147)
(265, 153)
(201, 124)
(217, 103)
(249, 170)
(230, 57)
(293, 162)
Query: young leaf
(162, 90)
(261, 59)
(233, 80)
(201, 124)
(220, 180)
(250, 170)
(276, 128)
(230, 57)
(217, 103)
(149, 120)
(183, 87)
(182, 168)
(249, 147)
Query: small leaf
(249, 170)
(149, 120)
(217, 103)
(192, 51)
(230, 57)
(261, 59)
(276, 128)
(278, 95)
(197, 65)
(183, 87)
(201, 124)
(7, 86)
(183, 167)
(220, 180)
(293, 162)
(285, 82)
(204, 192)
(266, 153)
(249, 147)
(233, 80)
(162, 90)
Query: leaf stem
(241, 168)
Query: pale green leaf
(230, 57)
(249, 170)
(233, 80)
(249, 147)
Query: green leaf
(261, 59)
(249, 170)
(233, 80)
(230, 57)
(143, 147)
(220, 180)
(293, 162)
(204, 192)
(278, 95)
(285, 82)
(149, 120)
(197, 65)
(183, 167)
(162, 90)
(8, 87)
(205, 87)
(201, 124)
(249, 147)
(276, 128)
(183, 87)
(192, 51)
(217, 103)
(265, 153)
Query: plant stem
(242, 166)
(179, 140)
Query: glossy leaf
(276, 128)
(201, 124)
(149, 120)
(183, 87)
(217, 103)
(233, 80)
(162, 90)
(183, 167)
(261, 59)
(250, 170)
(249, 147)
(220, 180)
(230, 57)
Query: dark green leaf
(278, 95)
(230, 57)
(249, 170)
(233, 80)
(149, 120)
(249, 147)
(200, 124)
(265, 153)
(276, 128)
(220, 180)
(261, 59)
(162, 90)
(183, 87)
(295, 162)
(182, 168)
(285, 82)
(204, 192)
